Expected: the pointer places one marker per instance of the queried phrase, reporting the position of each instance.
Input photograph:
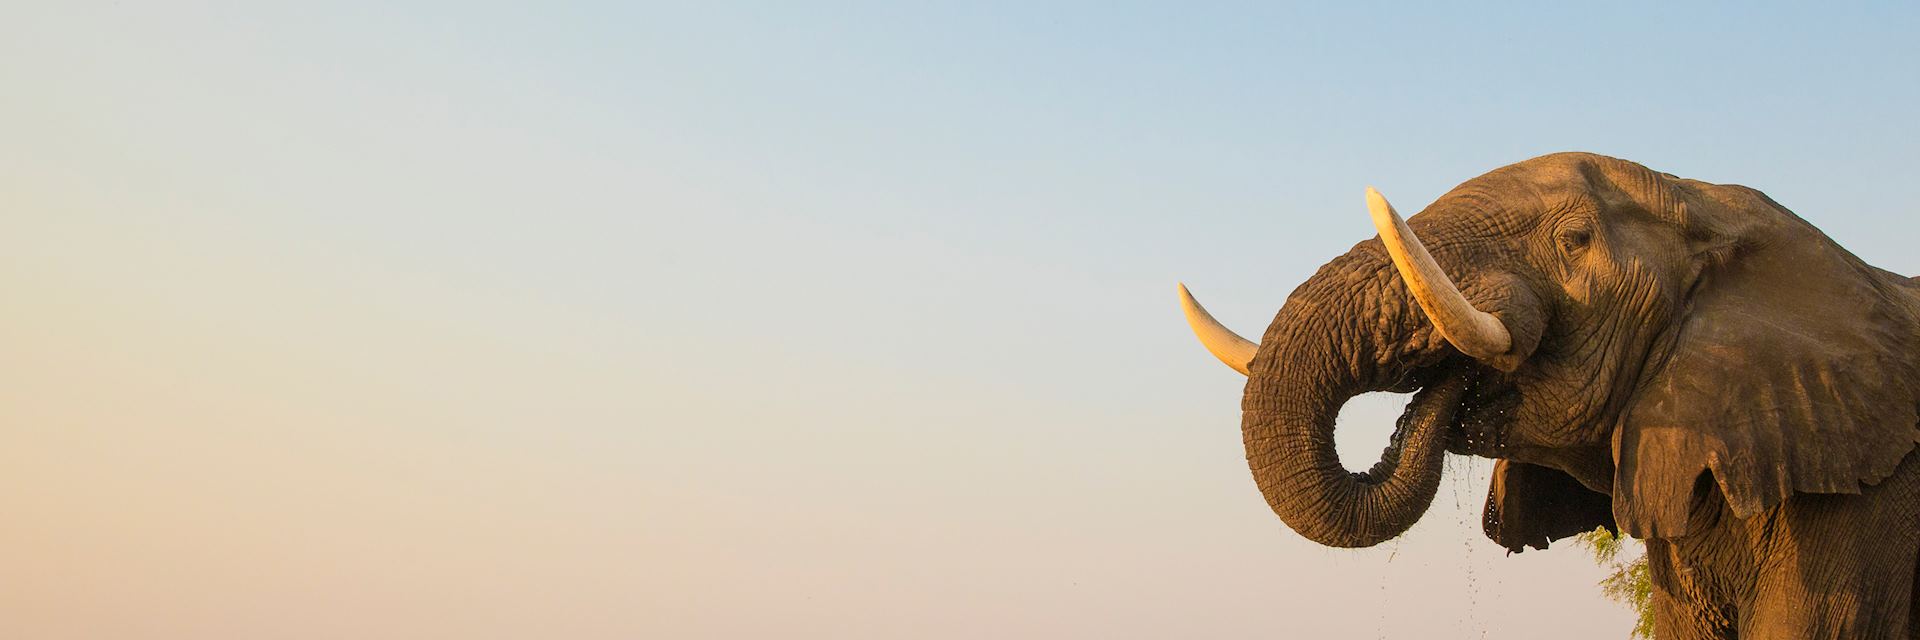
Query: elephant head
(1626, 342)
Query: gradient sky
(464, 320)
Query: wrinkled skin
(1691, 364)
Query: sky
(824, 320)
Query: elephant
(1688, 363)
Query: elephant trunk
(1318, 354)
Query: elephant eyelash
(1572, 241)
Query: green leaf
(1630, 583)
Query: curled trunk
(1313, 360)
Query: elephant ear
(1792, 370)
(1530, 506)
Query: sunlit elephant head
(1626, 342)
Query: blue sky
(826, 320)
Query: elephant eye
(1574, 240)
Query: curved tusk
(1222, 342)
(1472, 331)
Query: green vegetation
(1629, 583)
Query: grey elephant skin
(1688, 363)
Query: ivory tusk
(1472, 331)
(1223, 343)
